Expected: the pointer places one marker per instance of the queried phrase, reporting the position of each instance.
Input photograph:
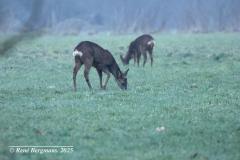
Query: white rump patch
(151, 42)
(76, 52)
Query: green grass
(193, 90)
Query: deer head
(122, 79)
(124, 60)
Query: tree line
(125, 16)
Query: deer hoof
(104, 87)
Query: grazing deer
(90, 54)
(138, 47)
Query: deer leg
(75, 71)
(145, 58)
(108, 76)
(138, 58)
(135, 58)
(151, 56)
(100, 77)
(86, 74)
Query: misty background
(119, 16)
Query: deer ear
(119, 74)
(125, 73)
(122, 59)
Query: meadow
(192, 90)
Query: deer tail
(77, 53)
(152, 42)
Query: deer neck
(114, 69)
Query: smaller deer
(90, 54)
(138, 47)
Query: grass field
(193, 90)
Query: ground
(187, 106)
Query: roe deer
(90, 54)
(138, 47)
